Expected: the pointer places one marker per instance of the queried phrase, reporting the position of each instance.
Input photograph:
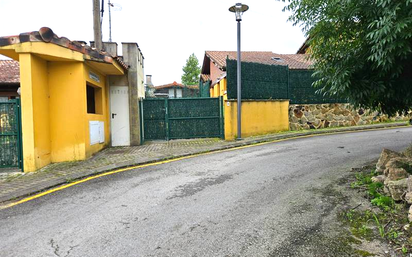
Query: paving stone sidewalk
(14, 185)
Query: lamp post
(239, 9)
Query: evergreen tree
(191, 71)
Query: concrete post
(131, 54)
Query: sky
(167, 32)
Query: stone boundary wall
(316, 116)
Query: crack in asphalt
(56, 248)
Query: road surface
(268, 200)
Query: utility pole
(110, 22)
(97, 26)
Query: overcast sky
(166, 31)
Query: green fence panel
(10, 135)
(302, 91)
(182, 118)
(204, 88)
(262, 81)
(190, 92)
(192, 118)
(259, 81)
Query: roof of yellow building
(47, 35)
(9, 72)
(294, 61)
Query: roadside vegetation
(383, 219)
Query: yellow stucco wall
(54, 111)
(44, 50)
(35, 117)
(103, 116)
(219, 89)
(67, 111)
(258, 117)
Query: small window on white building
(179, 93)
(171, 93)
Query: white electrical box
(94, 129)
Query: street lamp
(239, 9)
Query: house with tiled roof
(9, 79)
(75, 99)
(176, 90)
(215, 64)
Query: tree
(362, 49)
(191, 71)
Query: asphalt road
(268, 200)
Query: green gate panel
(154, 124)
(10, 135)
(194, 128)
(197, 107)
(182, 118)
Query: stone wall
(316, 116)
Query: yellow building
(64, 96)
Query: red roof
(204, 77)
(174, 84)
(47, 35)
(9, 71)
(294, 61)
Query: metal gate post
(19, 135)
(167, 118)
(222, 124)
(141, 121)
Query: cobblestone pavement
(15, 184)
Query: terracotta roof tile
(9, 71)
(47, 35)
(192, 86)
(204, 77)
(174, 84)
(294, 61)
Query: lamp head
(239, 9)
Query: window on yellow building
(94, 99)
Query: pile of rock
(395, 172)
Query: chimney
(149, 80)
(110, 48)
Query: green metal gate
(10, 135)
(180, 118)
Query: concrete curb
(54, 182)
